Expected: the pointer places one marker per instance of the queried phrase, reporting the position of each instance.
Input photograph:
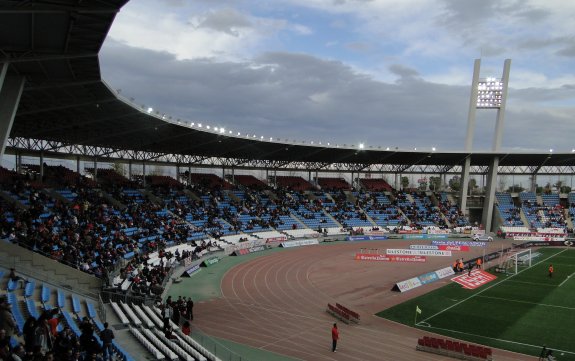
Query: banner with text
(387, 258)
(418, 252)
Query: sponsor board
(408, 284)
(386, 258)
(477, 279)
(423, 246)
(424, 236)
(245, 251)
(418, 252)
(428, 278)
(375, 233)
(438, 231)
(244, 245)
(211, 261)
(193, 269)
(445, 247)
(409, 231)
(276, 239)
(445, 272)
(301, 242)
(538, 238)
(460, 243)
(366, 238)
(423, 279)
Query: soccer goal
(515, 261)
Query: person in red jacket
(334, 337)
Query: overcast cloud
(350, 71)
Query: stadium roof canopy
(55, 45)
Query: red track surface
(278, 303)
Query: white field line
(534, 283)
(490, 287)
(499, 339)
(566, 279)
(527, 302)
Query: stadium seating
(455, 349)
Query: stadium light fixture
(207, 127)
(572, 150)
(387, 148)
(433, 149)
(361, 145)
(222, 130)
(551, 150)
(199, 125)
(216, 129)
(150, 110)
(489, 93)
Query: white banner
(445, 272)
(423, 246)
(408, 284)
(301, 242)
(418, 252)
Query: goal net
(515, 261)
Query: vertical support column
(130, 169)
(189, 174)
(501, 111)
(95, 169)
(533, 183)
(233, 176)
(223, 173)
(10, 91)
(78, 164)
(309, 176)
(464, 186)
(396, 181)
(267, 176)
(41, 166)
(144, 174)
(178, 172)
(353, 180)
(469, 137)
(488, 204)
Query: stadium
(331, 234)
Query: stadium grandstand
(89, 230)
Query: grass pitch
(520, 313)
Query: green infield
(518, 312)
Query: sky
(379, 72)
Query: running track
(278, 302)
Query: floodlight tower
(486, 93)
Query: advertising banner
(423, 246)
(387, 258)
(460, 243)
(445, 272)
(428, 278)
(301, 242)
(418, 252)
(193, 269)
(445, 247)
(408, 284)
(366, 238)
(210, 261)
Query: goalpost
(515, 261)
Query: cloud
(225, 20)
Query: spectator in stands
(7, 322)
(334, 337)
(17, 279)
(18, 353)
(190, 309)
(43, 336)
(29, 330)
(186, 328)
(107, 336)
(167, 315)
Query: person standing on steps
(334, 337)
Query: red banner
(454, 248)
(388, 258)
(476, 279)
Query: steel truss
(60, 150)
